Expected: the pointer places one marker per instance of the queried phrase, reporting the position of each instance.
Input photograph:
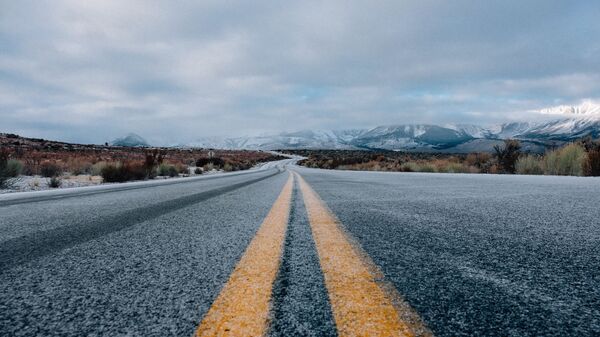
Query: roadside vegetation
(575, 159)
(9, 169)
(56, 164)
(581, 158)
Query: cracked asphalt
(473, 255)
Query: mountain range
(562, 124)
(571, 123)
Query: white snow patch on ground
(39, 183)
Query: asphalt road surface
(392, 253)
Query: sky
(175, 71)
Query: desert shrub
(54, 182)
(182, 169)
(227, 167)
(216, 161)
(96, 169)
(569, 160)
(198, 171)
(78, 166)
(529, 164)
(30, 169)
(455, 168)
(152, 159)
(5, 178)
(50, 169)
(482, 162)
(136, 170)
(122, 172)
(208, 167)
(163, 170)
(13, 168)
(167, 170)
(592, 164)
(479, 160)
(111, 173)
(173, 172)
(242, 165)
(418, 167)
(507, 155)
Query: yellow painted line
(242, 307)
(363, 304)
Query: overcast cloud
(173, 71)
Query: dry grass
(568, 160)
(529, 164)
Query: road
(286, 250)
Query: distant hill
(131, 140)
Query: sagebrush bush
(198, 171)
(569, 160)
(216, 161)
(121, 172)
(50, 169)
(5, 178)
(167, 170)
(54, 182)
(529, 164)
(14, 168)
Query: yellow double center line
(363, 304)
(242, 308)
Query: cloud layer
(89, 71)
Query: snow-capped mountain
(307, 139)
(563, 129)
(572, 122)
(419, 137)
(411, 136)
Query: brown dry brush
(508, 155)
(5, 178)
(153, 158)
(592, 164)
(122, 172)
